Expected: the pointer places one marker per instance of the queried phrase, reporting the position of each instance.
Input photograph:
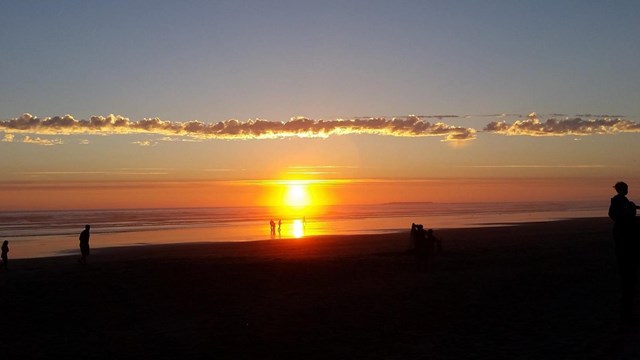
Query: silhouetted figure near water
(273, 226)
(421, 249)
(625, 235)
(412, 238)
(84, 244)
(5, 257)
(279, 226)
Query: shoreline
(55, 232)
(537, 290)
(103, 238)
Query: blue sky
(215, 60)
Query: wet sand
(533, 291)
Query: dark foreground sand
(535, 291)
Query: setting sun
(297, 195)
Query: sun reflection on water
(298, 228)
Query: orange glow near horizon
(297, 198)
(294, 199)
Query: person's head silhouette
(621, 188)
(87, 227)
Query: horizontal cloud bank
(233, 129)
(407, 126)
(532, 126)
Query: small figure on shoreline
(5, 257)
(421, 249)
(272, 224)
(423, 245)
(84, 245)
(625, 234)
(412, 238)
(279, 226)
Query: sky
(126, 104)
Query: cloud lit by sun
(301, 127)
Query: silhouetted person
(279, 226)
(412, 237)
(84, 244)
(273, 226)
(5, 258)
(625, 233)
(426, 243)
(421, 248)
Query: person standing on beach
(5, 258)
(84, 245)
(625, 233)
(412, 238)
(272, 224)
(421, 244)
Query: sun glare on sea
(298, 229)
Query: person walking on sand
(625, 233)
(84, 244)
(279, 226)
(5, 258)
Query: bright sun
(297, 195)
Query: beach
(529, 291)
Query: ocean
(54, 233)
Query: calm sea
(52, 233)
